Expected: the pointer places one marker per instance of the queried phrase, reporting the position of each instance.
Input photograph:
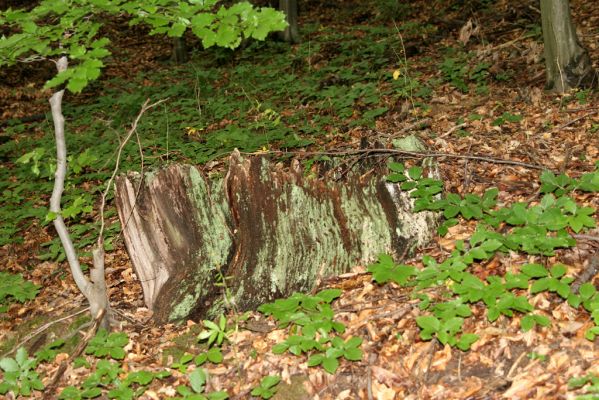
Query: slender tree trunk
(94, 290)
(568, 64)
(180, 54)
(291, 33)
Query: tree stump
(270, 231)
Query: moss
(292, 391)
(211, 214)
(60, 330)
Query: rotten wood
(270, 230)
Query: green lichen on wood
(367, 220)
(211, 215)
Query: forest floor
(467, 81)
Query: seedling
(267, 387)
(214, 333)
(20, 377)
(105, 344)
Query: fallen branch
(40, 330)
(587, 274)
(575, 120)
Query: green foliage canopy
(57, 28)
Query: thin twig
(506, 44)
(575, 120)
(41, 329)
(145, 107)
(414, 154)
(453, 129)
(420, 124)
(586, 237)
(587, 274)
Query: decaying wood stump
(271, 231)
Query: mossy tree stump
(270, 231)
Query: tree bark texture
(180, 54)
(291, 33)
(567, 63)
(94, 288)
(271, 231)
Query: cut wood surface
(271, 230)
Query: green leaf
(59, 79)
(21, 356)
(117, 353)
(587, 290)
(330, 364)
(140, 377)
(491, 245)
(466, 341)
(280, 348)
(428, 323)
(270, 381)
(493, 313)
(353, 354)
(415, 173)
(76, 85)
(396, 167)
(177, 30)
(527, 323)
(215, 355)
(534, 270)
(197, 379)
(315, 359)
(542, 320)
(328, 295)
(9, 365)
(558, 270)
(591, 333)
(202, 358)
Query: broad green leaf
(315, 359)
(353, 354)
(587, 290)
(527, 323)
(534, 270)
(466, 341)
(9, 365)
(429, 323)
(330, 364)
(197, 380)
(542, 320)
(270, 381)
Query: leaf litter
(560, 133)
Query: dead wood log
(271, 231)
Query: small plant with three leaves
(267, 387)
(197, 380)
(534, 229)
(14, 287)
(20, 377)
(313, 329)
(108, 344)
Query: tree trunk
(289, 7)
(180, 54)
(94, 289)
(270, 232)
(568, 64)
